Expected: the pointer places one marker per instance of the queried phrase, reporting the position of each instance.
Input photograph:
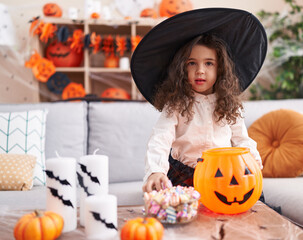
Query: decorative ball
(62, 55)
(228, 179)
(73, 90)
(52, 10)
(57, 82)
(149, 13)
(142, 228)
(39, 226)
(169, 8)
(115, 93)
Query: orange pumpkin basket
(228, 179)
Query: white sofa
(121, 131)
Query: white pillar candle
(94, 173)
(62, 190)
(101, 217)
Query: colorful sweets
(172, 205)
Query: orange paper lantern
(228, 179)
(115, 93)
(111, 61)
(95, 15)
(169, 8)
(73, 90)
(43, 69)
(52, 10)
(62, 55)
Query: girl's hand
(156, 181)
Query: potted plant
(285, 55)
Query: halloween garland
(77, 40)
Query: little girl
(201, 109)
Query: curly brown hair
(175, 93)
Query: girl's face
(202, 69)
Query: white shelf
(70, 69)
(129, 27)
(102, 69)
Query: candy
(184, 198)
(174, 200)
(172, 205)
(171, 215)
(154, 208)
(162, 214)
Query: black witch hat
(241, 30)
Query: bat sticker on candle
(98, 218)
(81, 183)
(54, 192)
(51, 175)
(84, 169)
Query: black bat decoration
(51, 175)
(54, 192)
(84, 169)
(34, 19)
(81, 183)
(98, 218)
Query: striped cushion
(24, 133)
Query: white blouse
(187, 141)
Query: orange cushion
(279, 137)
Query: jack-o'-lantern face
(62, 55)
(228, 179)
(52, 10)
(169, 8)
(115, 93)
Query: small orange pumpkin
(149, 13)
(169, 8)
(52, 10)
(38, 226)
(115, 93)
(111, 61)
(62, 55)
(228, 179)
(73, 90)
(142, 228)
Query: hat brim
(242, 31)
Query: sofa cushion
(286, 193)
(24, 133)
(66, 126)
(121, 131)
(16, 171)
(279, 137)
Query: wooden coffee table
(260, 222)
